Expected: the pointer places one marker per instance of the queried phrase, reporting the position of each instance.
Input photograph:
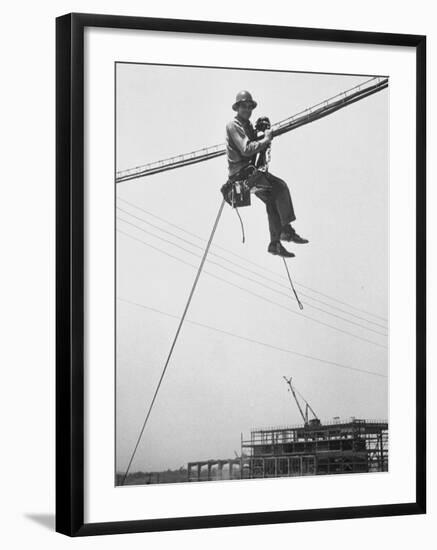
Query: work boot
(290, 235)
(277, 249)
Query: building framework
(354, 446)
(316, 448)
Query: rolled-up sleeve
(247, 147)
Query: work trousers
(275, 194)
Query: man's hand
(268, 135)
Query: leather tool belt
(236, 191)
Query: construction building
(313, 448)
(355, 446)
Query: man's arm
(247, 147)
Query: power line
(253, 272)
(250, 270)
(255, 281)
(254, 341)
(261, 267)
(257, 295)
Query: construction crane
(315, 112)
(314, 421)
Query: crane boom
(306, 116)
(307, 405)
(305, 417)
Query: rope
(242, 226)
(292, 286)
(193, 288)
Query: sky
(218, 386)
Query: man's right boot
(277, 249)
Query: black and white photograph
(252, 274)
(216, 275)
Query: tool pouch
(236, 193)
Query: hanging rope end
(292, 286)
(241, 224)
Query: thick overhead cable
(320, 110)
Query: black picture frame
(70, 273)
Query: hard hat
(244, 95)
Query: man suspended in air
(243, 146)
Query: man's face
(245, 110)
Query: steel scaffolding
(314, 449)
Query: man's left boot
(289, 234)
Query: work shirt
(241, 146)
